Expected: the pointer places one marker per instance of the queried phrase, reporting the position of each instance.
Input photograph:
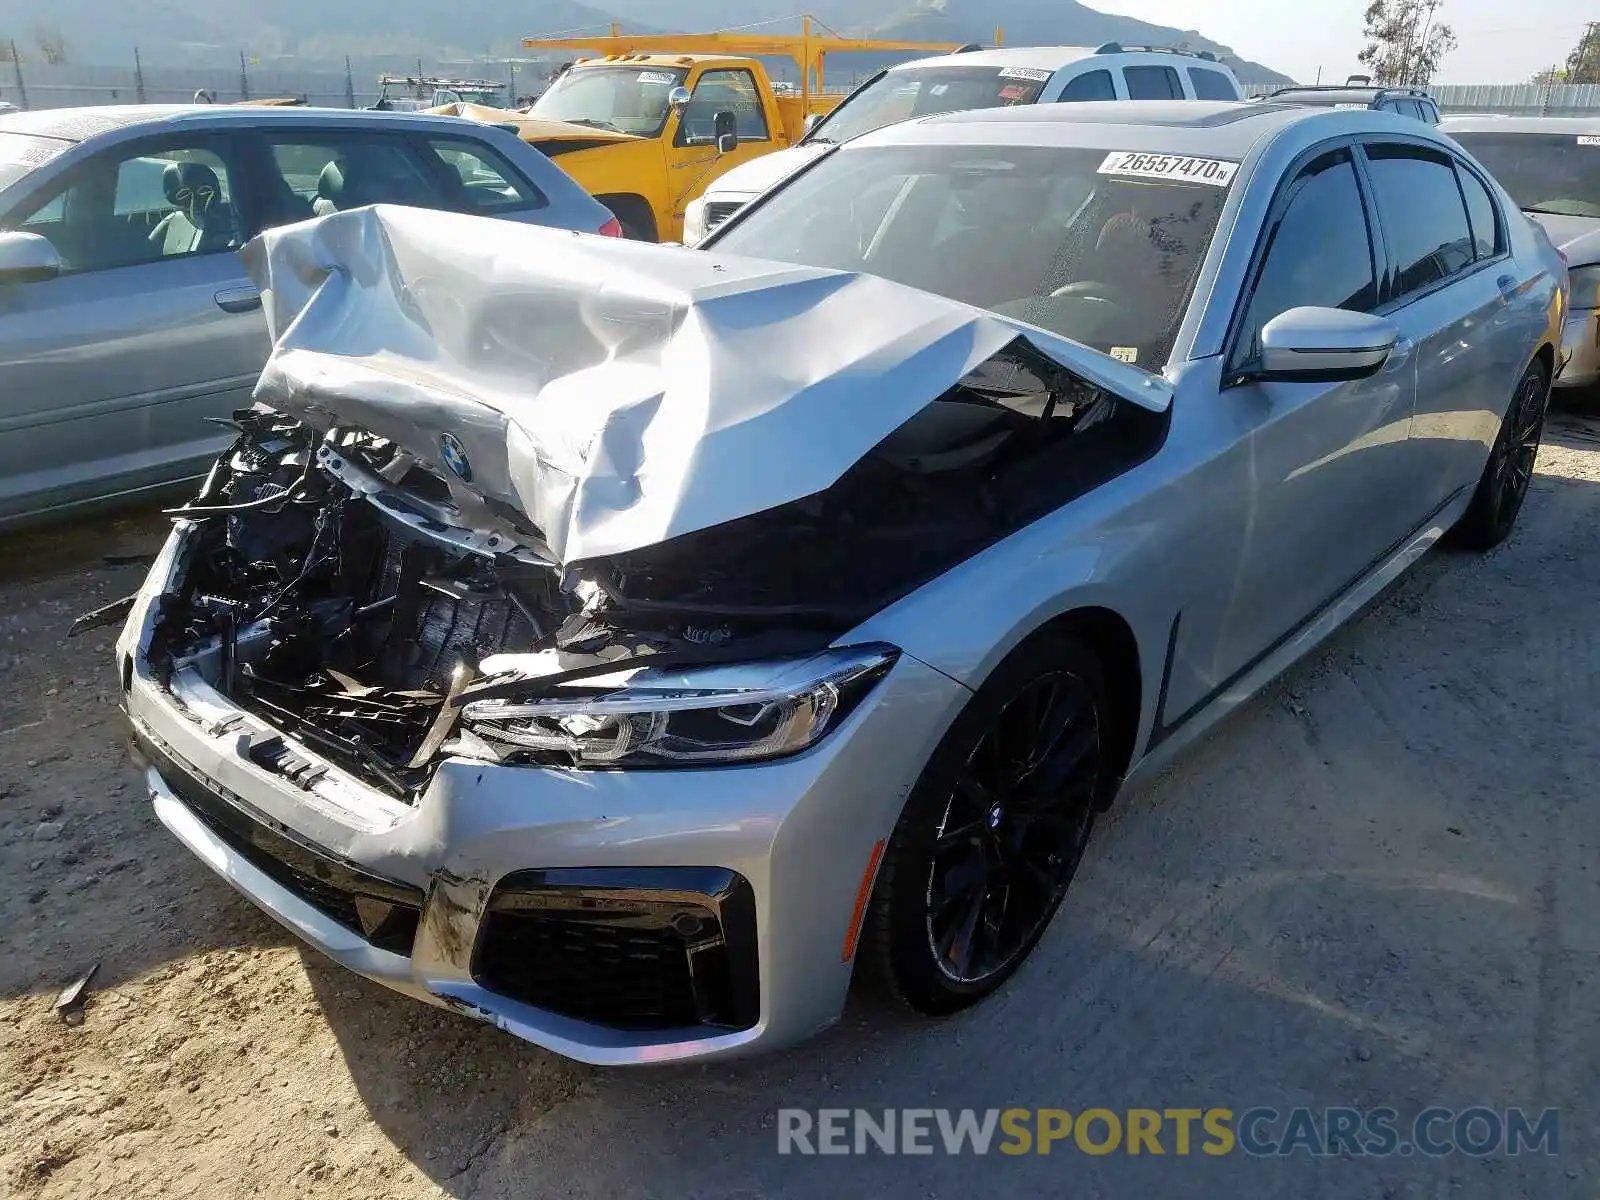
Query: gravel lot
(1379, 884)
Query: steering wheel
(1086, 289)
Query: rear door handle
(238, 300)
(1507, 285)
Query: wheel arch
(634, 211)
(1111, 639)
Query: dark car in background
(1359, 92)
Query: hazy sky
(1499, 42)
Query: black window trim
(235, 157)
(1388, 302)
(1502, 231)
(1233, 371)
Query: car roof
(1492, 124)
(1224, 128)
(1049, 58)
(80, 124)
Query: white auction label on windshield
(1142, 165)
(1588, 139)
(1037, 74)
(657, 77)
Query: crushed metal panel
(618, 394)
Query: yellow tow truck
(647, 124)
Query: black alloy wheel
(1507, 475)
(994, 830)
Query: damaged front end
(334, 590)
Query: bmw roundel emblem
(455, 457)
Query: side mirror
(811, 122)
(1326, 345)
(726, 126)
(27, 258)
(678, 98)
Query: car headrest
(330, 183)
(191, 186)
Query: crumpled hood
(617, 393)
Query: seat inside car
(201, 219)
(365, 174)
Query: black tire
(1503, 485)
(634, 215)
(941, 934)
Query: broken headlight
(701, 716)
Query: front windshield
(20, 153)
(1101, 248)
(624, 99)
(1557, 174)
(920, 92)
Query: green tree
(1583, 64)
(1405, 43)
(52, 44)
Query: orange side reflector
(863, 894)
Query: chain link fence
(1510, 99)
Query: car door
(1453, 301)
(1329, 488)
(112, 367)
(696, 161)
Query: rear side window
(1091, 85)
(1152, 83)
(1430, 114)
(1482, 211)
(1407, 108)
(487, 183)
(1319, 252)
(1424, 218)
(1211, 85)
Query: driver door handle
(238, 300)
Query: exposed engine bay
(336, 591)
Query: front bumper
(798, 834)
(1580, 348)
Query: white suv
(973, 79)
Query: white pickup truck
(973, 79)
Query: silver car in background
(127, 323)
(1551, 168)
(632, 660)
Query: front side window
(1553, 173)
(1152, 83)
(1061, 238)
(1424, 218)
(1091, 85)
(922, 92)
(1211, 85)
(1318, 253)
(486, 182)
(723, 91)
(121, 209)
(625, 99)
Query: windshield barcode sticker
(1588, 139)
(1141, 165)
(1036, 74)
(657, 77)
(1350, 106)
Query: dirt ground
(1379, 884)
